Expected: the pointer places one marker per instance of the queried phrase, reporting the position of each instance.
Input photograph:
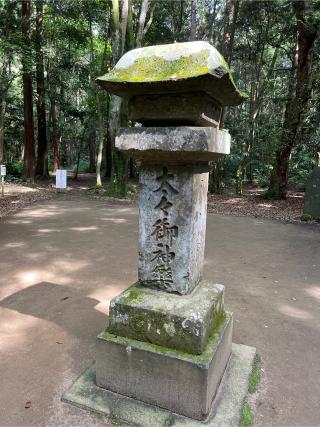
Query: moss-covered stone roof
(178, 67)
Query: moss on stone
(246, 415)
(134, 295)
(158, 331)
(202, 358)
(137, 314)
(190, 67)
(254, 378)
(151, 69)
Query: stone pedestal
(180, 382)
(169, 338)
(184, 323)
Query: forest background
(53, 114)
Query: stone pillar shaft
(172, 226)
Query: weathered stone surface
(172, 226)
(193, 109)
(179, 322)
(174, 144)
(178, 67)
(312, 196)
(177, 381)
(225, 411)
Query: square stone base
(181, 322)
(225, 411)
(174, 380)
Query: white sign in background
(3, 170)
(61, 178)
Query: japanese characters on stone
(164, 233)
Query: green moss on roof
(151, 69)
(178, 67)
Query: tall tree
(230, 20)
(118, 180)
(7, 46)
(122, 41)
(142, 20)
(29, 151)
(193, 18)
(299, 93)
(54, 133)
(42, 160)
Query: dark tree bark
(193, 18)
(108, 156)
(54, 135)
(42, 160)
(3, 106)
(29, 152)
(230, 19)
(298, 96)
(118, 180)
(92, 150)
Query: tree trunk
(92, 149)
(80, 143)
(142, 20)
(42, 161)
(122, 29)
(5, 78)
(193, 18)
(3, 106)
(2, 113)
(116, 31)
(54, 136)
(298, 96)
(29, 152)
(109, 150)
(117, 186)
(118, 180)
(279, 176)
(100, 141)
(124, 22)
(230, 19)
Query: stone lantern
(169, 338)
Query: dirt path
(251, 204)
(62, 260)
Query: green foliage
(306, 217)
(78, 47)
(83, 165)
(118, 186)
(246, 415)
(254, 378)
(15, 168)
(116, 189)
(213, 187)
